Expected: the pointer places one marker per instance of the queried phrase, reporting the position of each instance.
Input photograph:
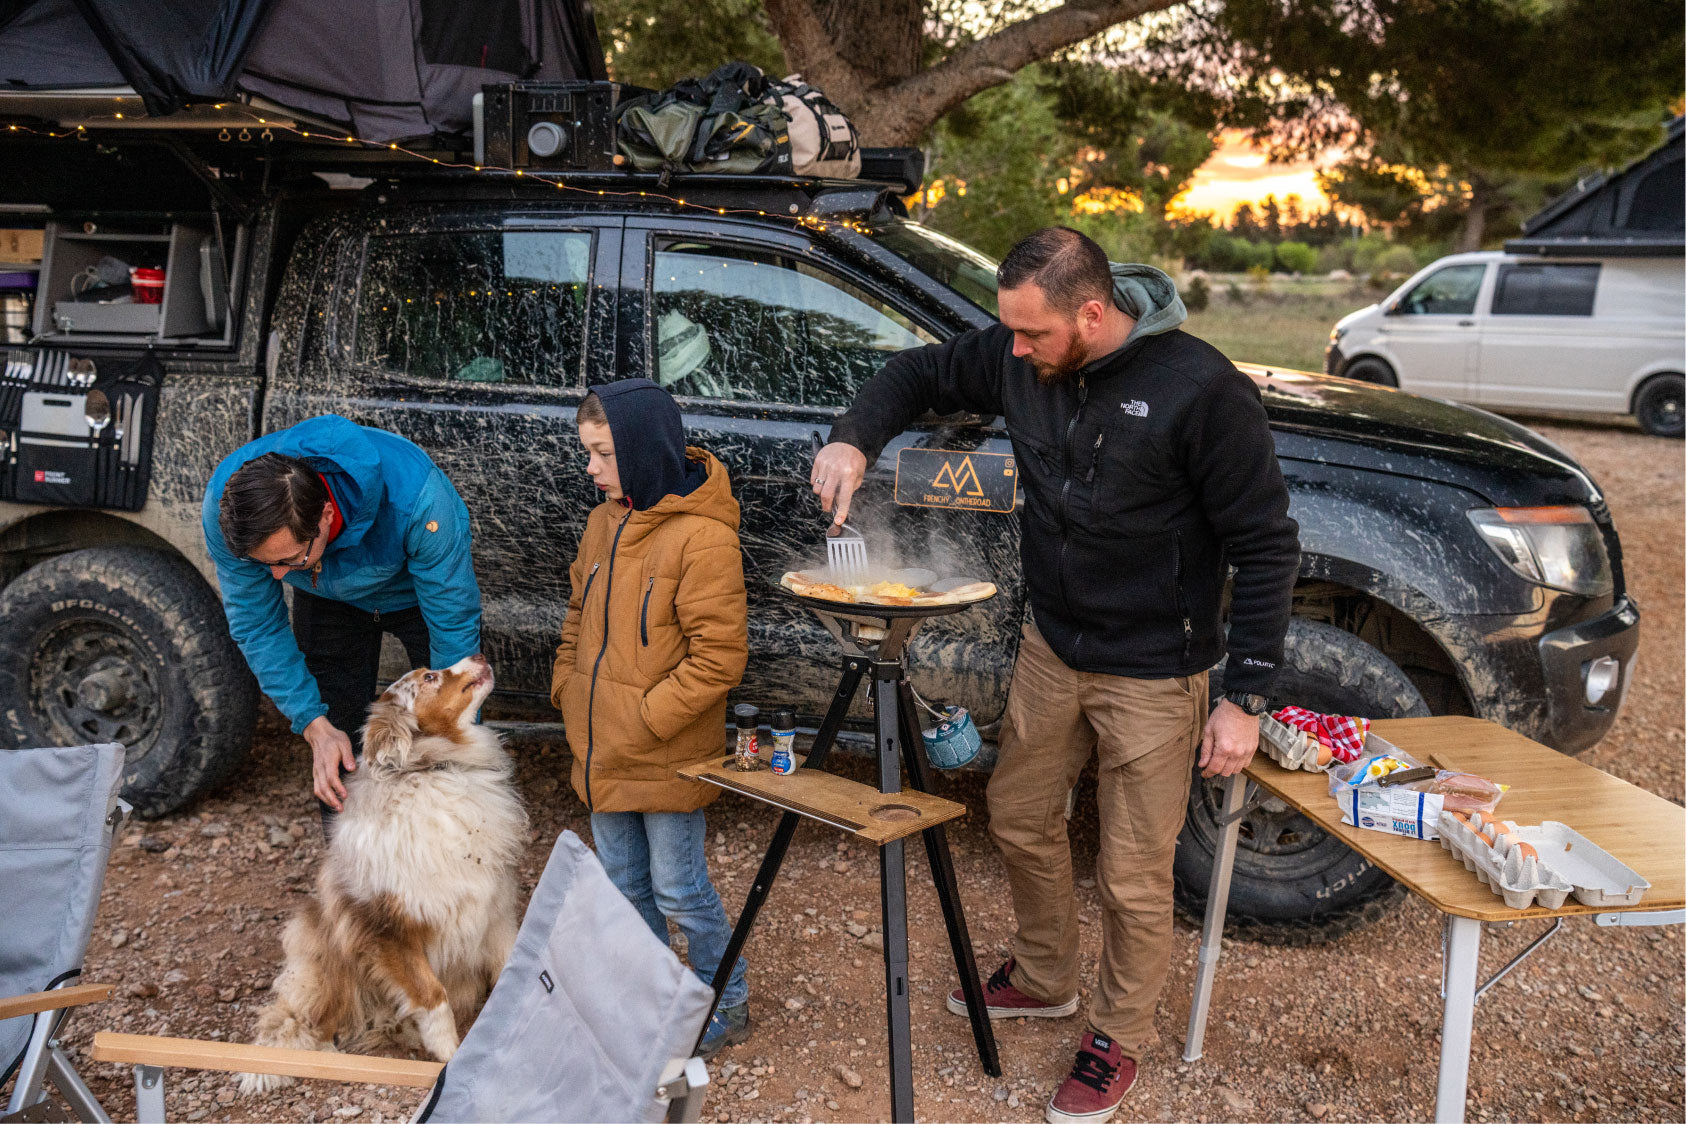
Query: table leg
(1217, 902)
(1463, 956)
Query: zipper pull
(1095, 458)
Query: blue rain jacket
(405, 543)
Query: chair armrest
(234, 1057)
(37, 1001)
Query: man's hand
(1232, 736)
(839, 469)
(329, 749)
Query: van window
(476, 307)
(757, 325)
(1546, 290)
(1445, 292)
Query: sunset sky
(1236, 173)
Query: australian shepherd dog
(415, 906)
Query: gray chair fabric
(56, 822)
(589, 1010)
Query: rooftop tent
(385, 69)
(1637, 212)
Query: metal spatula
(845, 554)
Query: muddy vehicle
(1454, 563)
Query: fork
(845, 554)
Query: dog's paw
(258, 1084)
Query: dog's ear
(390, 732)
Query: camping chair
(592, 1019)
(58, 812)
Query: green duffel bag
(719, 123)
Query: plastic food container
(148, 285)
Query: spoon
(97, 410)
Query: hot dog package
(1411, 802)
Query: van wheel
(1371, 369)
(1658, 406)
(1295, 884)
(126, 645)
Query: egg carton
(1289, 747)
(1564, 863)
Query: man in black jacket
(1148, 470)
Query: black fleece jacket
(1145, 476)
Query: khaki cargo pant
(1148, 734)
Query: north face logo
(1136, 408)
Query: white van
(1506, 330)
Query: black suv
(1454, 563)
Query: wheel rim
(1664, 411)
(91, 681)
(1270, 828)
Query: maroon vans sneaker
(1005, 1001)
(1099, 1079)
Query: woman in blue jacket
(373, 539)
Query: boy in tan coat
(655, 636)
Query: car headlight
(1558, 547)
(1336, 333)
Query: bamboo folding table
(1639, 828)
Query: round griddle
(883, 612)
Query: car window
(735, 323)
(1565, 289)
(1445, 292)
(476, 307)
(955, 264)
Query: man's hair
(1065, 264)
(267, 494)
(591, 410)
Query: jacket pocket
(1129, 473)
(661, 644)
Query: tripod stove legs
(892, 881)
(853, 670)
(948, 892)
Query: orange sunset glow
(1237, 174)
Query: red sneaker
(1099, 1079)
(1004, 1001)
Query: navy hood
(649, 442)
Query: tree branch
(899, 114)
(809, 49)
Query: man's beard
(1068, 364)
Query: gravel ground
(1589, 1029)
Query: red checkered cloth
(1344, 736)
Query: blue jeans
(657, 860)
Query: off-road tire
(172, 686)
(1293, 883)
(1658, 406)
(1368, 368)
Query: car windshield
(955, 264)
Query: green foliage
(1197, 295)
(1397, 260)
(1078, 126)
(1498, 103)
(1296, 257)
(655, 42)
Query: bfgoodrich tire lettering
(129, 645)
(1294, 883)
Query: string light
(812, 222)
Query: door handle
(1466, 323)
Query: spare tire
(1293, 882)
(121, 644)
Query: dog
(415, 905)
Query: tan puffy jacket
(655, 636)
